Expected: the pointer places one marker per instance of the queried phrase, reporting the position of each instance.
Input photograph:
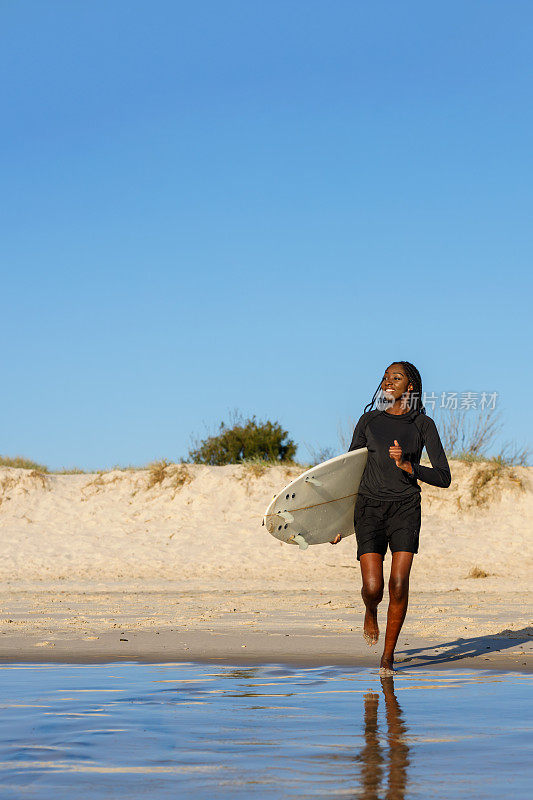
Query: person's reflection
(372, 755)
(398, 748)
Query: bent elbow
(447, 479)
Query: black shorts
(382, 523)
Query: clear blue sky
(219, 205)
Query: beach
(171, 563)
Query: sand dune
(201, 526)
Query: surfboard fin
(314, 481)
(285, 515)
(300, 541)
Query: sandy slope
(97, 529)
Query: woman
(387, 509)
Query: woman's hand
(396, 453)
(337, 539)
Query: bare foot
(386, 667)
(370, 627)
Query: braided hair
(415, 396)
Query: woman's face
(395, 381)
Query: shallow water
(131, 730)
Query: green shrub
(243, 440)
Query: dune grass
(477, 572)
(158, 471)
(20, 462)
(490, 478)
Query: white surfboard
(319, 504)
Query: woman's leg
(372, 593)
(398, 599)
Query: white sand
(100, 529)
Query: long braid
(369, 405)
(415, 397)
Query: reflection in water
(270, 731)
(372, 758)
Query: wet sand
(301, 628)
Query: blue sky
(210, 206)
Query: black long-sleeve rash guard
(382, 479)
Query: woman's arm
(359, 435)
(439, 473)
